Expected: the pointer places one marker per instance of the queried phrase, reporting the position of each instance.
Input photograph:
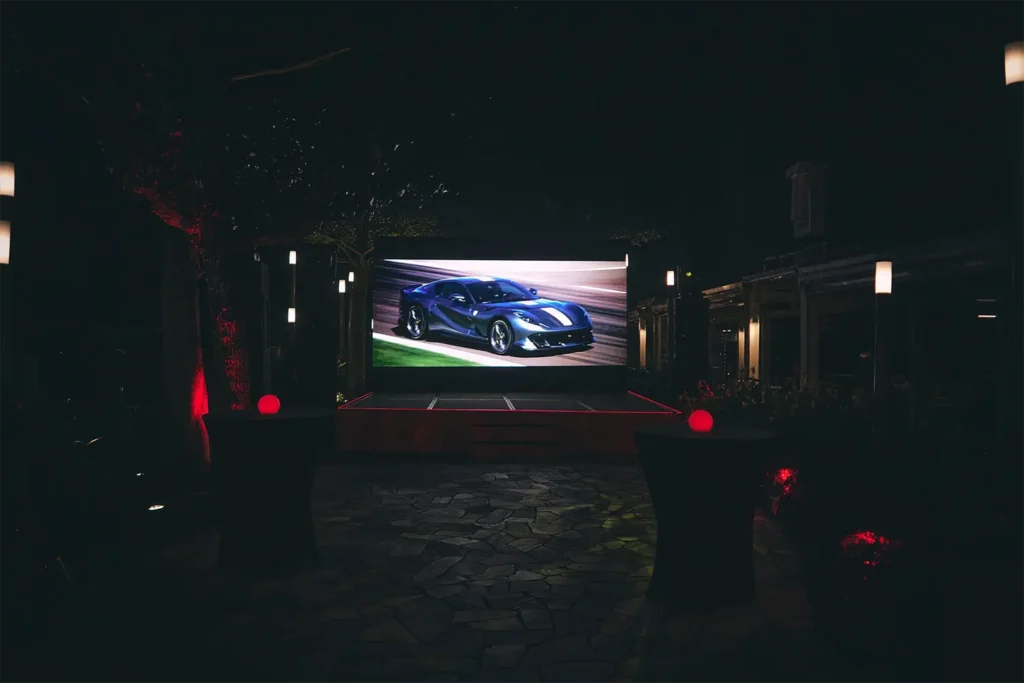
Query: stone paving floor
(443, 572)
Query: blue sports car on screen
(501, 313)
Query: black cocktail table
(704, 490)
(264, 466)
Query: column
(764, 372)
(741, 347)
(809, 328)
(754, 347)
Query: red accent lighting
(651, 400)
(700, 421)
(368, 394)
(868, 548)
(200, 399)
(865, 538)
(785, 478)
(268, 405)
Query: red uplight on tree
(268, 405)
(700, 421)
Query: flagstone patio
(443, 572)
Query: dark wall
(87, 258)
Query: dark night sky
(681, 116)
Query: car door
(452, 308)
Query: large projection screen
(432, 313)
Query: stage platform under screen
(497, 424)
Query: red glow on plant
(234, 360)
(268, 405)
(700, 421)
(865, 538)
(873, 548)
(784, 475)
(785, 478)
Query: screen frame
(604, 378)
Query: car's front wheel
(501, 337)
(416, 323)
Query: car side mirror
(533, 291)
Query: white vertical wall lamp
(883, 277)
(5, 242)
(6, 179)
(1013, 63)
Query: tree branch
(288, 69)
(352, 255)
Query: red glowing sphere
(700, 421)
(268, 405)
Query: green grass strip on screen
(388, 355)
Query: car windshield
(496, 291)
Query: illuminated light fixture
(986, 316)
(754, 347)
(883, 277)
(670, 278)
(268, 405)
(6, 179)
(689, 274)
(293, 258)
(154, 508)
(700, 421)
(1013, 63)
(291, 315)
(5, 242)
(139, 474)
(352, 276)
(341, 286)
(627, 260)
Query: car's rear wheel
(416, 323)
(501, 338)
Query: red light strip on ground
(354, 401)
(660, 405)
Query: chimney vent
(807, 204)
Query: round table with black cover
(704, 490)
(263, 467)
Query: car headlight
(526, 318)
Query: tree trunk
(218, 387)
